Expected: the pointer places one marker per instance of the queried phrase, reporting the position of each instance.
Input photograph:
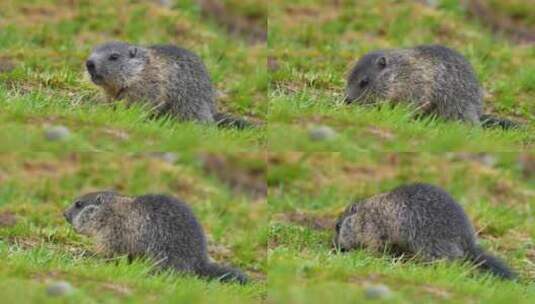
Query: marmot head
(367, 80)
(114, 65)
(346, 236)
(81, 214)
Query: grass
(312, 44)
(37, 245)
(294, 83)
(309, 190)
(43, 45)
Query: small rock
(322, 133)
(60, 288)
(377, 292)
(432, 3)
(488, 160)
(55, 133)
(166, 3)
(169, 157)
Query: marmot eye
(78, 204)
(338, 226)
(364, 82)
(114, 56)
(381, 62)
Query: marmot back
(169, 79)
(155, 226)
(419, 219)
(433, 79)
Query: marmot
(434, 79)
(170, 79)
(159, 227)
(419, 219)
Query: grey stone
(59, 288)
(56, 133)
(170, 157)
(320, 133)
(166, 3)
(377, 292)
(432, 3)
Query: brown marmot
(419, 219)
(169, 79)
(159, 227)
(433, 79)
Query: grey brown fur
(421, 220)
(170, 80)
(159, 227)
(433, 79)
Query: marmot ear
(132, 52)
(381, 62)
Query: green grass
(309, 190)
(378, 129)
(312, 44)
(40, 247)
(46, 43)
(284, 245)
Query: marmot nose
(90, 65)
